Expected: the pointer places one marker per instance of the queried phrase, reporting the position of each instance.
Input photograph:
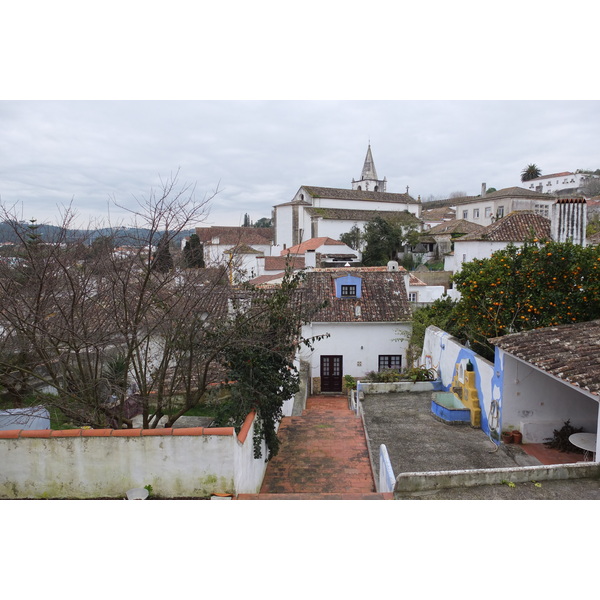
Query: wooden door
(331, 373)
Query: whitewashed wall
(537, 404)
(468, 251)
(75, 464)
(528, 399)
(443, 352)
(359, 343)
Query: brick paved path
(323, 455)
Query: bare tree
(99, 325)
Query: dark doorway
(331, 373)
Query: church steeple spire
(369, 171)
(369, 180)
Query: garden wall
(105, 463)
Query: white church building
(329, 212)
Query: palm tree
(531, 172)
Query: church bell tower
(368, 181)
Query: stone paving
(323, 455)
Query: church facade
(329, 212)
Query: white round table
(585, 441)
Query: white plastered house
(367, 319)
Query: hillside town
(226, 335)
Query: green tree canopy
(353, 238)
(385, 237)
(530, 172)
(263, 222)
(517, 289)
(193, 253)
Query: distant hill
(124, 236)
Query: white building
(329, 212)
(487, 208)
(367, 318)
(237, 248)
(561, 183)
(516, 228)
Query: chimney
(483, 188)
(310, 259)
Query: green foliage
(264, 222)
(385, 237)
(560, 439)
(262, 367)
(193, 253)
(162, 260)
(440, 314)
(420, 373)
(150, 490)
(538, 285)
(350, 382)
(384, 376)
(530, 172)
(353, 238)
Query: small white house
(564, 182)
(367, 319)
(515, 228)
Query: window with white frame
(476, 213)
(413, 296)
(488, 212)
(465, 214)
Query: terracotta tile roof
(243, 249)
(514, 192)
(517, 226)
(455, 226)
(437, 214)
(312, 244)
(267, 279)
(563, 174)
(448, 202)
(569, 352)
(279, 263)
(345, 214)
(341, 194)
(235, 236)
(383, 297)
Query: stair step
(300, 496)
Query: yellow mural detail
(463, 385)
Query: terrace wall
(105, 463)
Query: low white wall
(367, 387)
(195, 462)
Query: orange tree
(519, 288)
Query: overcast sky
(92, 108)
(258, 153)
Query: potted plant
(507, 437)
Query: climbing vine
(260, 364)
